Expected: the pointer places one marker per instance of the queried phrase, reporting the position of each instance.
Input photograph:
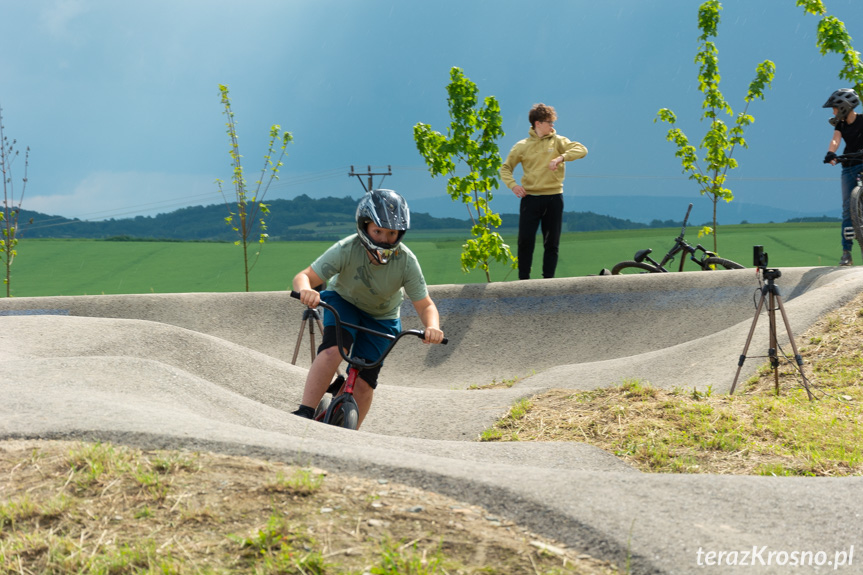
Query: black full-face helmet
(386, 209)
(844, 101)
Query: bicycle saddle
(641, 254)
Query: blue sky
(119, 101)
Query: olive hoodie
(535, 154)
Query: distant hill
(645, 209)
(298, 219)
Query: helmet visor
(383, 255)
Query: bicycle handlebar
(685, 219)
(360, 362)
(850, 156)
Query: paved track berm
(212, 371)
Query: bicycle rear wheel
(633, 267)
(856, 205)
(721, 264)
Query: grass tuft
(756, 432)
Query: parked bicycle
(338, 406)
(856, 201)
(643, 263)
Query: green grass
(81, 508)
(681, 432)
(89, 267)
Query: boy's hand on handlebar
(830, 158)
(432, 335)
(310, 297)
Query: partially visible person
(366, 273)
(848, 127)
(541, 156)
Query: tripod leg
(312, 338)
(299, 340)
(748, 341)
(321, 328)
(797, 358)
(771, 351)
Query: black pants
(534, 211)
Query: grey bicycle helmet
(844, 101)
(387, 210)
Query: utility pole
(370, 175)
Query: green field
(87, 267)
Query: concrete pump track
(213, 372)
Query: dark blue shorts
(359, 343)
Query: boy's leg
(529, 215)
(328, 358)
(552, 224)
(363, 395)
(371, 347)
(364, 390)
(849, 182)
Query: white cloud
(56, 17)
(105, 195)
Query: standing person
(541, 156)
(366, 273)
(848, 127)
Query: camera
(759, 257)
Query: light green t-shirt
(375, 289)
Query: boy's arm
(571, 151)
(834, 143)
(507, 168)
(428, 313)
(304, 282)
(830, 158)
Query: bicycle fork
(345, 393)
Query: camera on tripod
(770, 292)
(759, 260)
(759, 257)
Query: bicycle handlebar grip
(422, 335)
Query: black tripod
(771, 293)
(316, 315)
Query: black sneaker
(336, 385)
(304, 411)
(846, 259)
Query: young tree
(470, 139)
(719, 142)
(250, 207)
(832, 37)
(11, 207)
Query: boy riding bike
(366, 273)
(846, 126)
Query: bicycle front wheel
(344, 412)
(721, 264)
(323, 404)
(856, 205)
(346, 415)
(633, 267)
